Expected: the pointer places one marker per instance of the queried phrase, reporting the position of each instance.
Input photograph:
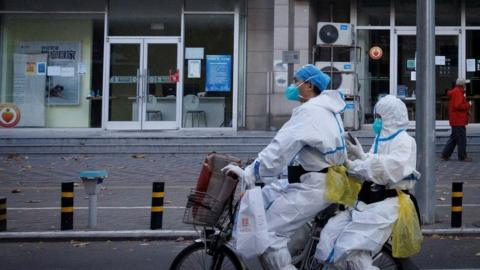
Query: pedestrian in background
(458, 117)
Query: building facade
(216, 64)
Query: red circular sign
(9, 115)
(375, 53)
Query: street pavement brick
(32, 187)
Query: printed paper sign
(194, 68)
(471, 65)
(218, 73)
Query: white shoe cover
(277, 260)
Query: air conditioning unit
(342, 76)
(335, 34)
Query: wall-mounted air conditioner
(334, 34)
(341, 74)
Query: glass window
(208, 76)
(374, 74)
(52, 68)
(333, 11)
(373, 12)
(472, 10)
(405, 12)
(447, 13)
(473, 73)
(209, 5)
(52, 5)
(406, 65)
(158, 18)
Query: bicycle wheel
(385, 261)
(195, 257)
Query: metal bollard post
(3, 214)
(157, 205)
(91, 181)
(66, 220)
(457, 197)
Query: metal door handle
(139, 96)
(146, 92)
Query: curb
(453, 231)
(98, 235)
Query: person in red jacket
(458, 117)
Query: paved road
(437, 253)
(32, 187)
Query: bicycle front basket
(202, 209)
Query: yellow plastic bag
(341, 188)
(406, 235)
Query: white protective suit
(350, 239)
(314, 136)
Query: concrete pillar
(296, 35)
(260, 40)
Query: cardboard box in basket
(217, 186)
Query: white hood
(394, 114)
(331, 100)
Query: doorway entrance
(447, 55)
(143, 83)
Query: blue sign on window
(218, 73)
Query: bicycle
(216, 217)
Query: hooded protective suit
(352, 237)
(314, 137)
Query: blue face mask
(377, 125)
(292, 93)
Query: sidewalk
(32, 187)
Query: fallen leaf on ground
(15, 157)
(79, 244)
(33, 201)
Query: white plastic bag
(250, 230)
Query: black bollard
(3, 214)
(457, 197)
(157, 205)
(66, 222)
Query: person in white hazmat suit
(314, 138)
(351, 238)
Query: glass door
(123, 81)
(406, 74)
(446, 71)
(161, 105)
(143, 83)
